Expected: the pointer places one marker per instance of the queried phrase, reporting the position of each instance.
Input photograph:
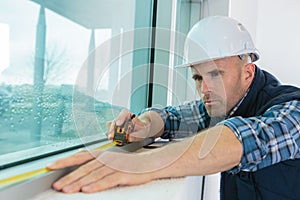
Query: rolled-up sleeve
(184, 120)
(267, 139)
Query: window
(175, 85)
(66, 69)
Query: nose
(205, 89)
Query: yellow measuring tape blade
(106, 146)
(32, 174)
(22, 177)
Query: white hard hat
(217, 37)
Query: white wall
(278, 31)
(275, 27)
(246, 13)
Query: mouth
(210, 102)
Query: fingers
(91, 178)
(82, 176)
(123, 116)
(117, 179)
(107, 182)
(74, 160)
(139, 133)
(110, 129)
(119, 121)
(138, 122)
(101, 178)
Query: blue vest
(277, 182)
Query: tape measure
(22, 177)
(10, 181)
(121, 133)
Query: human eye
(197, 77)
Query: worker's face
(222, 83)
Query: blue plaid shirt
(269, 138)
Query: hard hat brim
(255, 55)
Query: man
(247, 126)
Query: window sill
(175, 189)
(40, 187)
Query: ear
(249, 72)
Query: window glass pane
(187, 14)
(61, 66)
(173, 86)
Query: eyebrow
(209, 73)
(215, 71)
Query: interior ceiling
(91, 14)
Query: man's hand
(101, 170)
(213, 150)
(92, 175)
(147, 125)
